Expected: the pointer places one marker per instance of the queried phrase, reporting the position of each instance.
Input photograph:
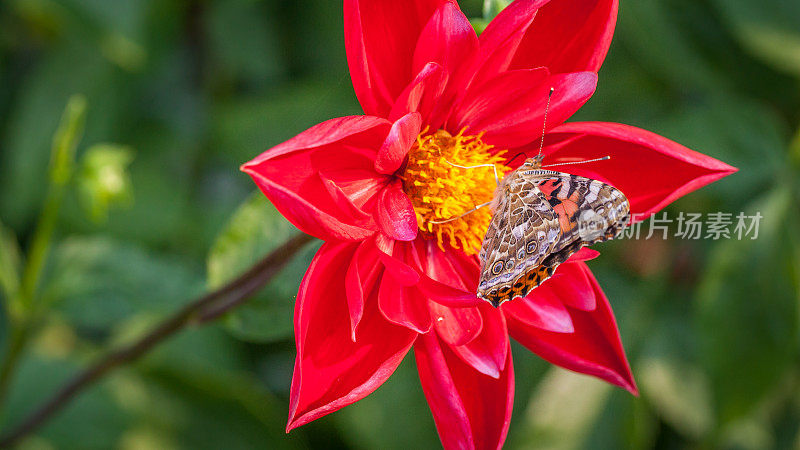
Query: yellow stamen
(441, 191)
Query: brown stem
(201, 310)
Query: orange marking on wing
(570, 207)
(563, 218)
(547, 187)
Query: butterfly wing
(522, 234)
(567, 211)
(589, 211)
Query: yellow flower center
(441, 190)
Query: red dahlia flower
(388, 277)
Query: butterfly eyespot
(531, 247)
(510, 264)
(521, 253)
(497, 267)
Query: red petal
(487, 353)
(404, 306)
(584, 254)
(395, 213)
(568, 36)
(422, 94)
(402, 136)
(456, 326)
(331, 371)
(449, 40)
(362, 274)
(380, 37)
(501, 38)
(510, 107)
(318, 205)
(540, 309)
(449, 281)
(593, 349)
(471, 410)
(393, 256)
(572, 287)
(446, 295)
(652, 171)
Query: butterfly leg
(462, 215)
(496, 177)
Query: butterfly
(542, 217)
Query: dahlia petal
(395, 263)
(325, 133)
(572, 287)
(464, 267)
(449, 40)
(652, 171)
(439, 266)
(362, 274)
(447, 295)
(456, 326)
(501, 38)
(344, 203)
(540, 309)
(594, 348)
(584, 254)
(380, 53)
(422, 94)
(401, 137)
(289, 177)
(332, 371)
(471, 410)
(487, 353)
(568, 36)
(510, 107)
(404, 306)
(447, 280)
(395, 213)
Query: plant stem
(23, 307)
(220, 301)
(62, 165)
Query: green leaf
(98, 282)
(255, 230)
(748, 309)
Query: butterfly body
(540, 218)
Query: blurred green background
(187, 90)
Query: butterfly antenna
(483, 205)
(604, 158)
(544, 123)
